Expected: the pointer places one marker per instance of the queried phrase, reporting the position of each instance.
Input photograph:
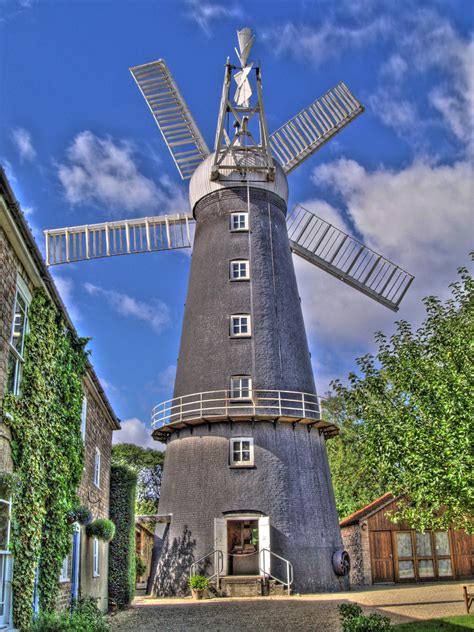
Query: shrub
(140, 567)
(85, 617)
(102, 529)
(353, 620)
(198, 582)
(122, 570)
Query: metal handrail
(299, 405)
(289, 570)
(218, 568)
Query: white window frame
(237, 387)
(17, 355)
(235, 275)
(235, 222)
(239, 319)
(95, 558)
(241, 462)
(64, 573)
(84, 416)
(97, 467)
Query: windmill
(246, 492)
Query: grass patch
(446, 624)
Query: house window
(240, 326)
(241, 387)
(64, 573)
(95, 558)
(239, 221)
(17, 339)
(83, 417)
(97, 468)
(239, 270)
(241, 452)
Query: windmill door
(382, 556)
(264, 543)
(220, 545)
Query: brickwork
(356, 542)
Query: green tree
(414, 403)
(355, 481)
(147, 464)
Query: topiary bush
(353, 620)
(102, 529)
(122, 566)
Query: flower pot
(197, 594)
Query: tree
(147, 464)
(355, 481)
(414, 406)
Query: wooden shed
(384, 552)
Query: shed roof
(371, 508)
(47, 279)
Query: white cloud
(156, 313)
(103, 172)
(419, 217)
(204, 13)
(316, 45)
(23, 143)
(136, 431)
(164, 381)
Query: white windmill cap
(201, 184)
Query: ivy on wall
(47, 451)
(122, 567)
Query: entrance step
(243, 585)
(276, 588)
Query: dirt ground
(306, 613)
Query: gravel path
(306, 613)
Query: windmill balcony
(221, 406)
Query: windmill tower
(246, 490)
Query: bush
(353, 620)
(140, 567)
(198, 582)
(102, 529)
(122, 569)
(85, 617)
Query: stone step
(243, 585)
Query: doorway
(242, 547)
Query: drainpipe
(76, 560)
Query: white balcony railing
(216, 405)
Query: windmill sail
(124, 237)
(306, 132)
(180, 132)
(346, 258)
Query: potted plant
(80, 514)
(198, 584)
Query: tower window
(241, 387)
(240, 326)
(239, 270)
(241, 451)
(239, 221)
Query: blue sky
(81, 147)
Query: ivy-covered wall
(123, 484)
(47, 452)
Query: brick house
(382, 551)
(22, 269)
(144, 540)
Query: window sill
(250, 466)
(64, 580)
(95, 575)
(240, 336)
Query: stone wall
(356, 542)
(8, 272)
(98, 434)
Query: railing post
(304, 411)
(181, 408)
(288, 576)
(279, 403)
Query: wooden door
(382, 556)
(463, 553)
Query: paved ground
(306, 613)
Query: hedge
(123, 487)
